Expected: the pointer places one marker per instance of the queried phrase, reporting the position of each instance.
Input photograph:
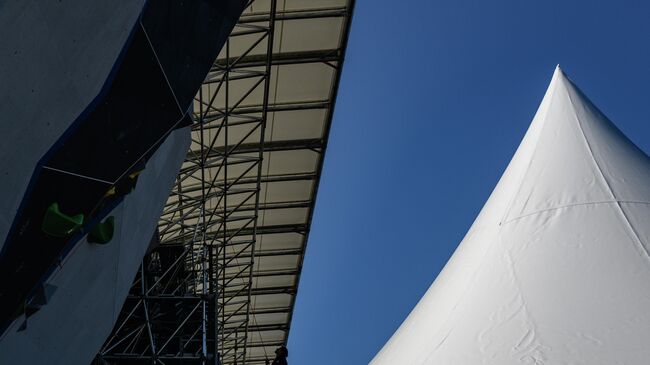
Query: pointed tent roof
(556, 267)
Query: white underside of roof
(555, 269)
(307, 52)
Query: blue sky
(434, 99)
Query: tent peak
(558, 73)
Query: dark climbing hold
(59, 224)
(30, 309)
(124, 186)
(41, 297)
(102, 232)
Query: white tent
(555, 269)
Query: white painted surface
(94, 279)
(555, 269)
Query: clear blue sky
(434, 99)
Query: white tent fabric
(555, 269)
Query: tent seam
(638, 241)
(537, 342)
(574, 205)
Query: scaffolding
(219, 282)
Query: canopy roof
(555, 268)
(307, 52)
(234, 230)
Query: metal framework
(219, 283)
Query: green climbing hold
(103, 231)
(59, 224)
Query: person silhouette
(281, 354)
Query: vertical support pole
(265, 107)
(203, 199)
(222, 268)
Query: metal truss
(191, 300)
